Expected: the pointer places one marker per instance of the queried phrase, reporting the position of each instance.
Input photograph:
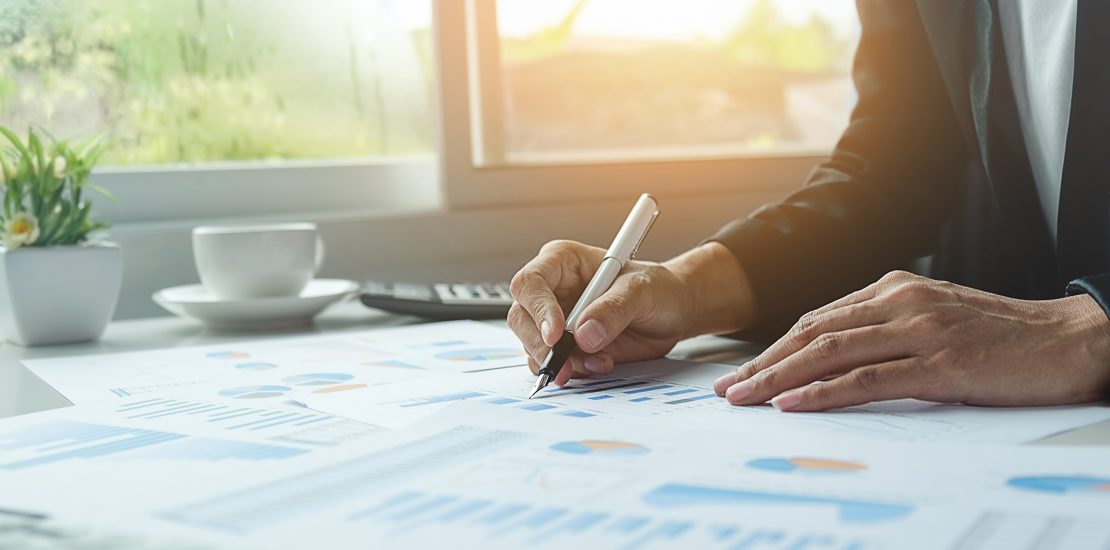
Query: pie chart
(256, 366)
(337, 389)
(441, 344)
(254, 392)
(1062, 484)
(480, 354)
(805, 465)
(393, 364)
(228, 355)
(600, 447)
(317, 379)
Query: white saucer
(195, 302)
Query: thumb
(605, 319)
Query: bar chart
(303, 427)
(677, 495)
(65, 440)
(581, 399)
(492, 399)
(417, 517)
(632, 390)
(257, 507)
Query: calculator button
(412, 292)
(444, 292)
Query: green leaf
(57, 202)
(14, 139)
(4, 166)
(103, 191)
(92, 149)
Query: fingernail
(594, 365)
(721, 384)
(545, 331)
(740, 391)
(591, 334)
(787, 401)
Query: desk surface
(22, 392)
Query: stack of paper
(420, 436)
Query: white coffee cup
(262, 261)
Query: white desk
(22, 392)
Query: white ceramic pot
(58, 295)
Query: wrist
(1092, 326)
(717, 291)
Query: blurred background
(246, 80)
(415, 131)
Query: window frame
(476, 173)
(467, 171)
(191, 193)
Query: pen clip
(643, 235)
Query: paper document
(144, 452)
(422, 437)
(267, 370)
(457, 481)
(679, 395)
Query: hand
(642, 316)
(909, 336)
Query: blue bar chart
(65, 440)
(633, 391)
(526, 524)
(257, 507)
(580, 399)
(676, 495)
(231, 417)
(494, 399)
(299, 427)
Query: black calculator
(441, 301)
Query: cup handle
(320, 253)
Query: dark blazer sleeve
(880, 199)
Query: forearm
(718, 290)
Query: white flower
(59, 167)
(21, 230)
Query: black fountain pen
(623, 249)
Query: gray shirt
(1039, 38)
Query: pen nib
(541, 383)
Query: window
(619, 79)
(573, 99)
(273, 108)
(184, 81)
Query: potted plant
(57, 285)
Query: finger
(579, 363)
(532, 288)
(892, 380)
(582, 365)
(830, 354)
(605, 319)
(872, 290)
(521, 323)
(805, 331)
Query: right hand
(642, 316)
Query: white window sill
(186, 195)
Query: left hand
(912, 337)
